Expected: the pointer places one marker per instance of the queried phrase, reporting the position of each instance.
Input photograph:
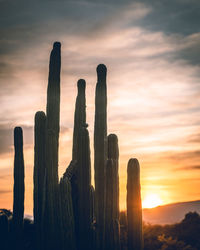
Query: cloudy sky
(151, 49)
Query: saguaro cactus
(39, 174)
(18, 198)
(84, 184)
(67, 222)
(112, 236)
(53, 101)
(92, 217)
(134, 207)
(79, 123)
(52, 205)
(113, 153)
(79, 116)
(92, 194)
(111, 217)
(100, 152)
(4, 230)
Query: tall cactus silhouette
(39, 175)
(112, 236)
(100, 152)
(79, 116)
(18, 198)
(79, 123)
(134, 207)
(52, 206)
(84, 183)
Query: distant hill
(171, 213)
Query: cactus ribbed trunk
(67, 222)
(92, 217)
(79, 123)
(112, 237)
(111, 220)
(100, 152)
(92, 193)
(18, 199)
(79, 116)
(52, 205)
(39, 175)
(84, 184)
(113, 153)
(134, 206)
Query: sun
(151, 200)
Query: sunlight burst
(152, 200)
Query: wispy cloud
(5, 191)
(190, 168)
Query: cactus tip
(133, 164)
(113, 137)
(81, 83)
(18, 129)
(40, 114)
(57, 45)
(101, 71)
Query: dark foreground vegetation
(180, 236)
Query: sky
(151, 50)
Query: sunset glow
(152, 200)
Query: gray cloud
(178, 16)
(24, 22)
(184, 155)
(175, 17)
(26, 25)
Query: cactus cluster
(70, 214)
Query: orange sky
(153, 99)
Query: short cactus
(134, 207)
